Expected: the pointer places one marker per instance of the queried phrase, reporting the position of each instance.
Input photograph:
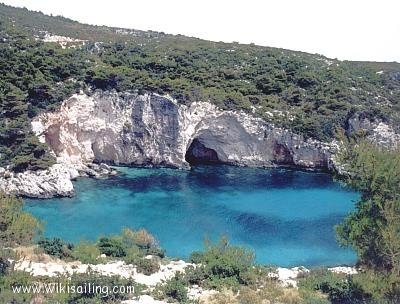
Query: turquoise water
(285, 216)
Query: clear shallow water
(285, 216)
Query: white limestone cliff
(153, 130)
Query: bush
(16, 226)
(222, 265)
(86, 252)
(147, 266)
(140, 238)
(174, 289)
(111, 246)
(344, 291)
(383, 287)
(156, 251)
(372, 229)
(56, 247)
(15, 279)
(132, 255)
(105, 285)
(143, 240)
(341, 289)
(197, 275)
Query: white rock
(55, 181)
(156, 130)
(344, 270)
(288, 276)
(120, 268)
(145, 299)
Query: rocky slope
(154, 130)
(46, 266)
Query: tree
(373, 229)
(16, 226)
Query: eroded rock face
(153, 130)
(55, 181)
(377, 131)
(141, 130)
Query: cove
(287, 217)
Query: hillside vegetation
(309, 94)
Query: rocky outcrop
(55, 181)
(153, 130)
(377, 131)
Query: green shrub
(132, 255)
(15, 279)
(372, 229)
(147, 266)
(144, 265)
(383, 287)
(340, 289)
(111, 246)
(344, 291)
(156, 251)
(143, 240)
(106, 283)
(174, 289)
(16, 226)
(140, 238)
(197, 275)
(56, 247)
(222, 265)
(86, 252)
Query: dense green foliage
(131, 246)
(367, 286)
(221, 265)
(309, 94)
(111, 247)
(86, 252)
(16, 226)
(33, 76)
(374, 228)
(55, 247)
(175, 289)
(340, 289)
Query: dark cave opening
(198, 154)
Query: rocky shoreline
(55, 181)
(88, 132)
(286, 277)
